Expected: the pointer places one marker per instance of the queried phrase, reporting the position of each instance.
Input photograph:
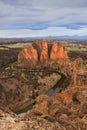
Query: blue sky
(34, 18)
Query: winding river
(62, 83)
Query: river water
(51, 91)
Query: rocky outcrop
(69, 108)
(28, 55)
(43, 103)
(10, 121)
(62, 111)
(57, 52)
(77, 70)
(42, 52)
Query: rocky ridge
(62, 111)
(42, 52)
(68, 108)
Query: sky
(43, 18)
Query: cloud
(51, 31)
(40, 15)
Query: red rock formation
(38, 43)
(44, 51)
(28, 54)
(39, 51)
(76, 66)
(57, 52)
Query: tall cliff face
(39, 52)
(28, 55)
(57, 52)
(44, 51)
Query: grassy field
(76, 49)
(8, 46)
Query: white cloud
(50, 14)
(51, 31)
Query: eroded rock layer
(68, 108)
(39, 52)
(28, 55)
(44, 51)
(57, 52)
(62, 111)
